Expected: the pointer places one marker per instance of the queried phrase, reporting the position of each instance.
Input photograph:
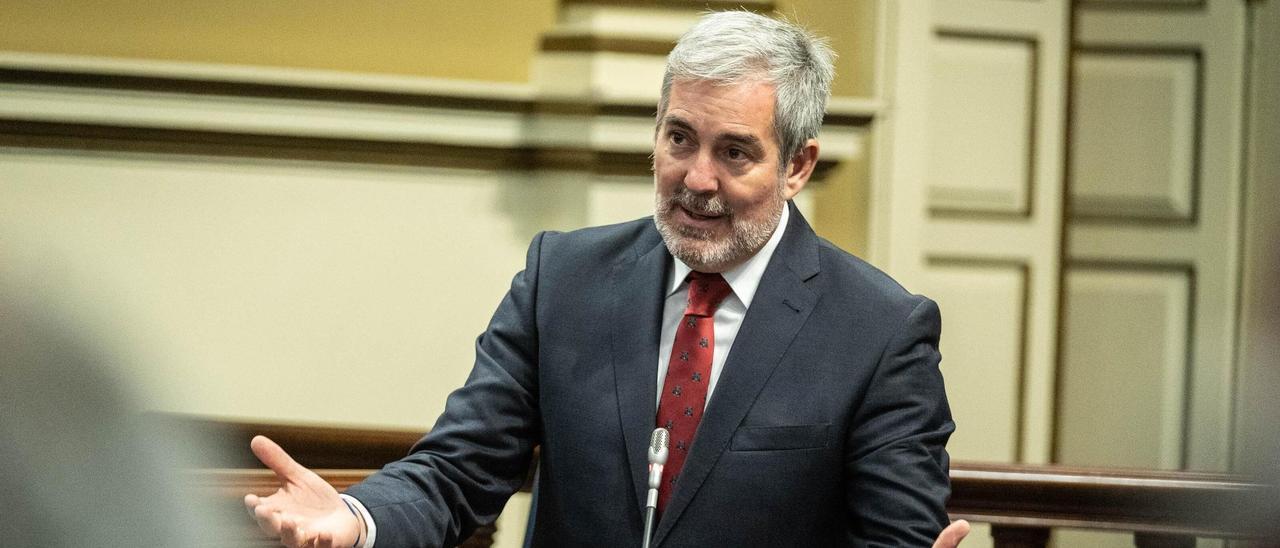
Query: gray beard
(697, 248)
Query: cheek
(750, 197)
(666, 177)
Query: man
(800, 385)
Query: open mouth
(700, 216)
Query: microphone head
(658, 442)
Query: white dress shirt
(743, 279)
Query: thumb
(285, 468)
(953, 534)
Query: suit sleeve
(897, 462)
(460, 475)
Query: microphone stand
(657, 459)
(649, 515)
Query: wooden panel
(983, 309)
(975, 117)
(1123, 378)
(1215, 40)
(1135, 127)
(982, 114)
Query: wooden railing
(1161, 508)
(342, 456)
(1023, 503)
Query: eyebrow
(673, 120)
(744, 139)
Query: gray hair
(731, 47)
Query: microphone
(658, 442)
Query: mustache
(710, 204)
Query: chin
(701, 254)
(704, 250)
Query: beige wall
(227, 279)
(442, 39)
(851, 26)
(489, 40)
(267, 290)
(435, 39)
(840, 204)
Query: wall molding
(1138, 5)
(1022, 268)
(1145, 210)
(1186, 270)
(589, 43)
(71, 103)
(759, 6)
(1023, 210)
(107, 138)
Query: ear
(800, 168)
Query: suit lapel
(780, 307)
(637, 316)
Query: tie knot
(706, 290)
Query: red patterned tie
(684, 394)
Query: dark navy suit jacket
(827, 426)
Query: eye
(677, 137)
(736, 154)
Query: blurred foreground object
(80, 466)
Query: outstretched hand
(305, 511)
(952, 535)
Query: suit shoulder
(849, 277)
(600, 245)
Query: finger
(309, 539)
(268, 520)
(952, 535)
(289, 532)
(251, 502)
(305, 539)
(275, 458)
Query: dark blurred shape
(1257, 389)
(79, 466)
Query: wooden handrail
(1143, 501)
(311, 445)
(1022, 502)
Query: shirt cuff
(371, 531)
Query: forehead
(707, 106)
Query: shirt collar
(744, 279)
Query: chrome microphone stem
(649, 514)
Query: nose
(701, 176)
